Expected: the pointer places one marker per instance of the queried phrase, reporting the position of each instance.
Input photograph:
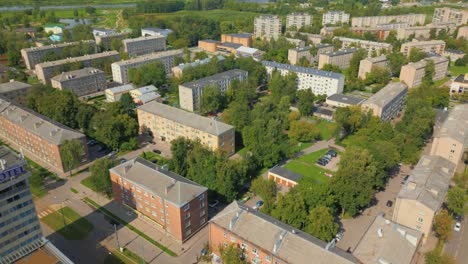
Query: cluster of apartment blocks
(190, 94)
(35, 55)
(430, 46)
(412, 74)
(370, 21)
(296, 54)
(366, 65)
(81, 82)
(371, 46)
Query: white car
(457, 227)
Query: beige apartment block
(46, 70)
(366, 65)
(105, 41)
(370, 21)
(371, 46)
(120, 69)
(413, 73)
(167, 123)
(245, 39)
(144, 45)
(298, 20)
(463, 32)
(451, 138)
(35, 55)
(388, 102)
(114, 94)
(422, 195)
(295, 55)
(423, 32)
(15, 91)
(314, 39)
(296, 42)
(327, 31)
(335, 17)
(430, 46)
(340, 58)
(267, 26)
(447, 14)
(458, 86)
(81, 82)
(190, 93)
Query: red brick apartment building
(178, 205)
(39, 137)
(268, 241)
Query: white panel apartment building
(298, 20)
(144, 45)
(319, 82)
(372, 21)
(335, 17)
(267, 26)
(120, 69)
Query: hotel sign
(11, 172)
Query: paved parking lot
(332, 165)
(355, 228)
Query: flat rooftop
(240, 35)
(10, 157)
(77, 59)
(455, 125)
(151, 56)
(305, 70)
(387, 94)
(13, 86)
(285, 173)
(346, 99)
(82, 73)
(373, 43)
(214, 79)
(145, 38)
(340, 52)
(377, 59)
(59, 45)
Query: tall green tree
(443, 223)
(353, 69)
(457, 200)
(305, 101)
(153, 73)
(303, 131)
(231, 254)
(291, 209)
(212, 100)
(416, 54)
(266, 189)
(100, 176)
(322, 223)
(70, 153)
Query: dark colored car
(157, 151)
(405, 179)
(332, 153)
(389, 203)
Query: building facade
(15, 91)
(462, 32)
(340, 58)
(267, 26)
(244, 39)
(447, 14)
(335, 17)
(120, 69)
(298, 20)
(458, 86)
(114, 94)
(413, 73)
(430, 46)
(167, 123)
(38, 136)
(284, 177)
(190, 93)
(105, 41)
(370, 21)
(175, 203)
(365, 65)
(424, 32)
(35, 55)
(81, 82)
(388, 102)
(20, 230)
(46, 70)
(144, 45)
(318, 81)
(264, 239)
(371, 46)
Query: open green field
(63, 2)
(306, 166)
(457, 70)
(216, 14)
(75, 226)
(88, 182)
(327, 129)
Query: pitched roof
(122, 88)
(387, 242)
(387, 94)
(173, 187)
(180, 116)
(455, 125)
(286, 173)
(214, 79)
(13, 86)
(281, 240)
(85, 72)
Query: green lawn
(327, 129)
(306, 166)
(457, 70)
(301, 146)
(75, 226)
(125, 257)
(440, 82)
(88, 182)
(153, 157)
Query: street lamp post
(117, 238)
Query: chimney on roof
(168, 187)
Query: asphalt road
(458, 244)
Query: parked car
(204, 251)
(157, 151)
(113, 153)
(213, 204)
(389, 203)
(328, 156)
(457, 227)
(339, 236)
(245, 199)
(258, 204)
(322, 163)
(92, 142)
(332, 153)
(122, 161)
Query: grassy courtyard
(306, 166)
(457, 70)
(75, 226)
(125, 257)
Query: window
(202, 213)
(201, 197)
(202, 221)
(254, 250)
(420, 220)
(202, 204)
(233, 239)
(244, 246)
(225, 244)
(186, 207)
(268, 259)
(154, 213)
(187, 225)
(187, 215)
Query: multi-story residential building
(19, 227)
(105, 41)
(298, 20)
(387, 102)
(458, 86)
(296, 54)
(144, 45)
(370, 21)
(451, 138)
(175, 203)
(267, 26)
(35, 55)
(264, 239)
(462, 32)
(244, 39)
(167, 123)
(447, 14)
(38, 136)
(342, 100)
(190, 93)
(120, 69)
(156, 32)
(178, 70)
(284, 177)
(340, 58)
(296, 42)
(315, 39)
(370, 46)
(366, 65)
(114, 94)
(46, 70)
(318, 81)
(335, 17)
(422, 195)
(327, 31)
(145, 94)
(15, 91)
(380, 31)
(388, 242)
(413, 73)
(81, 82)
(424, 32)
(430, 46)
